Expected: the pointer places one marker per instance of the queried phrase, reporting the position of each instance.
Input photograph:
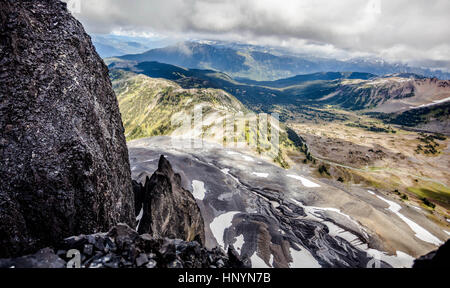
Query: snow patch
(421, 233)
(226, 171)
(261, 175)
(220, 224)
(400, 260)
(141, 213)
(334, 230)
(397, 261)
(303, 259)
(432, 103)
(150, 160)
(305, 182)
(139, 217)
(245, 157)
(199, 190)
(239, 243)
(313, 213)
(257, 262)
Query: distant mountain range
(319, 76)
(257, 63)
(118, 45)
(265, 80)
(354, 91)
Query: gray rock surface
(44, 258)
(122, 247)
(64, 161)
(265, 224)
(169, 210)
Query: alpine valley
(213, 154)
(364, 157)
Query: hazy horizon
(408, 32)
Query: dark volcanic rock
(45, 258)
(64, 161)
(436, 259)
(132, 251)
(168, 209)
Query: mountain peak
(165, 167)
(169, 210)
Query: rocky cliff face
(64, 161)
(435, 259)
(168, 210)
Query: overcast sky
(413, 31)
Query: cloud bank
(413, 31)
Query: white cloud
(402, 30)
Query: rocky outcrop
(168, 209)
(122, 247)
(64, 161)
(435, 259)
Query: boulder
(132, 251)
(64, 160)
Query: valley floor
(411, 165)
(292, 218)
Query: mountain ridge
(261, 65)
(349, 90)
(157, 107)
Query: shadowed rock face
(435, 259)
(168, 209)
(64, 161)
